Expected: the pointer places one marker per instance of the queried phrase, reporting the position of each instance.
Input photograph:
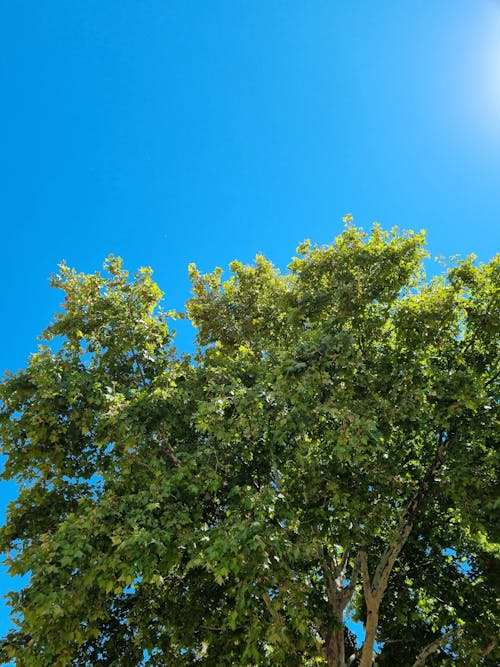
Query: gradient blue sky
(175, 131)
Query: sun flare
(484, 75)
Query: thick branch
(389, 557)
(365, 576)
(338, 594)
(330, 585)
(344, 561)
(354, 656)
(483, 652)
(374, 588)
(144, 465)
(348, 591)
(169, 449)
(431, 648)
(486, 650)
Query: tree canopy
(327, 455)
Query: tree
(328, 454)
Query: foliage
(328, 453)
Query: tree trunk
(335, 650)
(339, 596)
(367, 650)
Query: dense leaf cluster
(328, 453)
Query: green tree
(329, 453)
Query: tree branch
(486, 650)
(352, 658)
(492, 379)
(348, 591)
(144, 465)
(431, 648)
(338, 594)
(374, 589)
(365, 576)
(389, 557)
(344, 560)
(330, 586)
(169, 449)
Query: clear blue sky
(175, 131)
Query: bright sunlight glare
(481, 85)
